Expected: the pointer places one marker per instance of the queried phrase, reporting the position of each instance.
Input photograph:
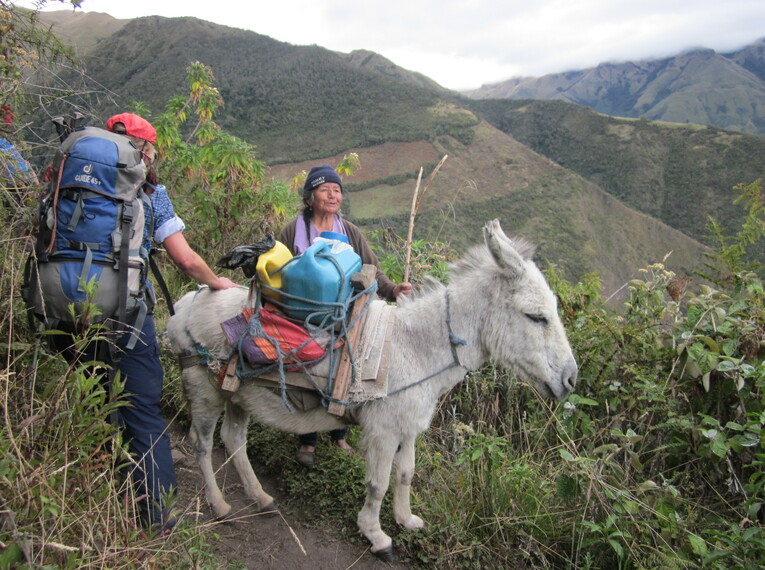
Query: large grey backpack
(91, 227)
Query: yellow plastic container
(267, 266)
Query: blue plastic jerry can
(316, 280)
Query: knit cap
(320, 175)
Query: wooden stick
(416, 202)
(429, 181)
(361, 280)
(412, 213)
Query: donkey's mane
(524, 247)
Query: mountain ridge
(698, 86)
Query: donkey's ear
(501, 248)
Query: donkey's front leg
(205, 408)
(233, 432)
(379, 457)
(404, 473)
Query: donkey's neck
(438, 339)
(464, 315)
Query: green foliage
(427, 258)
(656, 460)
(322, 493)
(60, 464)
(217, 176)
(732, 253)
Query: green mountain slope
(292, 101)
(679, 174)
(575, 224)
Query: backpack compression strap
(122, 285)
(57, 182)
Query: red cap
(135, 126)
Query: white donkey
(497, 306)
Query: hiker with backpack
(102, 213)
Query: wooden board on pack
(372, 352)
(350, 366)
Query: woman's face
(327, 199)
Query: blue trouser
(312, 438)
(145, 430)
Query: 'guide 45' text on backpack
(91, 226)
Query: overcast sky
(463, 44)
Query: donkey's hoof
(222, 512)
(387, 554)
(413, 523)
(269, 510)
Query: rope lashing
(332, 320)
(206, 358)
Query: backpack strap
(57, 183)
(78, 197)
(86, 264)
(161, 282)
(125, 252)
(140, 318)
(122, 280)
(76, 213)
(152, 262)
(122, 286)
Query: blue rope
(205, 357)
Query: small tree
(225, 198)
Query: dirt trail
(279, 541)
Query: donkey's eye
(537, 318)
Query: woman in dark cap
(322, 199)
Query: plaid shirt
(165, 222)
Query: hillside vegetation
(293, 102)
(679, 174)
(576, 225)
